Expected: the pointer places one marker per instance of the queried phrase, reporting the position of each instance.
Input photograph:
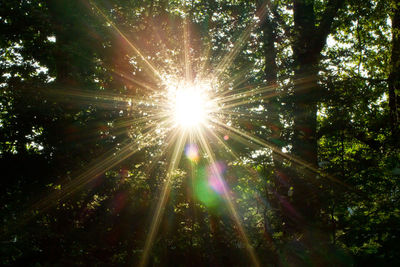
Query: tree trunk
(269, 39)
(309, 39)
(394, 76)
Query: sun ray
(67, 188)
(165, 55)
(205, 60)
(238, 45)
(246, 94)
(163, 198)
(222, 143)
(240, 114)
(247, 101)
(272, 90)
(98, 166)
(129, 77)
(81, 96)
(274, 148)
(227, 88)
(251, 96)
(126, 123)
(134, 48)
(247, 168)
(229, 201)
(187, 63)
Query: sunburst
(190, 112)
(190, 104)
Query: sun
(190, 106)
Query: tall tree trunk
(304, 141)
(64, 68)
(269, 38)
(394, 76)
(270, 72)
(309, 39)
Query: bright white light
(190, 107)
(52, 39)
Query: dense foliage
(310, 151)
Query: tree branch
(325, 26)
(273, 10)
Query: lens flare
(192, 152)
(203, 191)
(215, 179)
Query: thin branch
(325, 26)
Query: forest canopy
(200, 132)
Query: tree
(297, 164)
(394, 76)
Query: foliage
(314, 174)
